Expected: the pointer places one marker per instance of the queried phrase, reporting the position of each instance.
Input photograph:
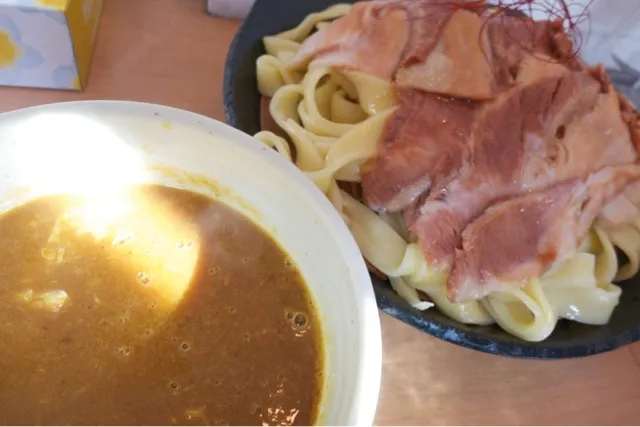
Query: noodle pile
(333, 121)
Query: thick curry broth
(167, 308)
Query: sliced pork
(523, 237)
(427, 17)
(618, 213)
(623, 210)
(437, 46)
(632, 118)
(461, 49)
(423, 145)
(557, 129)
(377, 37)
(458, 64)
(514, 39)
(371, 38)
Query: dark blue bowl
(570, 339)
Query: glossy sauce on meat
(158, 306)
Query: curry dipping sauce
(154, 306)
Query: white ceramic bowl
(98, 144)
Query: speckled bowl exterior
(570, 339)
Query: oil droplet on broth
(121, 237)
(185, 245)
(48, 254)
(143, 278)
(51, 254)
(26, 296)
(125, 350)
(197, 414)
(299, 321)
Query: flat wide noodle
(627, 239)
(526, 313)
(334, 119)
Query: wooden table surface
(170, 52)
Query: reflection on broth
(158, 307)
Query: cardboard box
(47, 43)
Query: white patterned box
(47, 43)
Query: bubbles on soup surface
(125, 350)
(143, 278)
(299, 321)
(184, 245)
(122, 237)
(174, 385)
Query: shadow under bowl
(569, 339)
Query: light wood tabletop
(170, 52)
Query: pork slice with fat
(458, 64)
(521, 238)
(371, 39)
(555, 129)
(423, 145)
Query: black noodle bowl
(568, 340)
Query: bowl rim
(368, 376)
(447, 330)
